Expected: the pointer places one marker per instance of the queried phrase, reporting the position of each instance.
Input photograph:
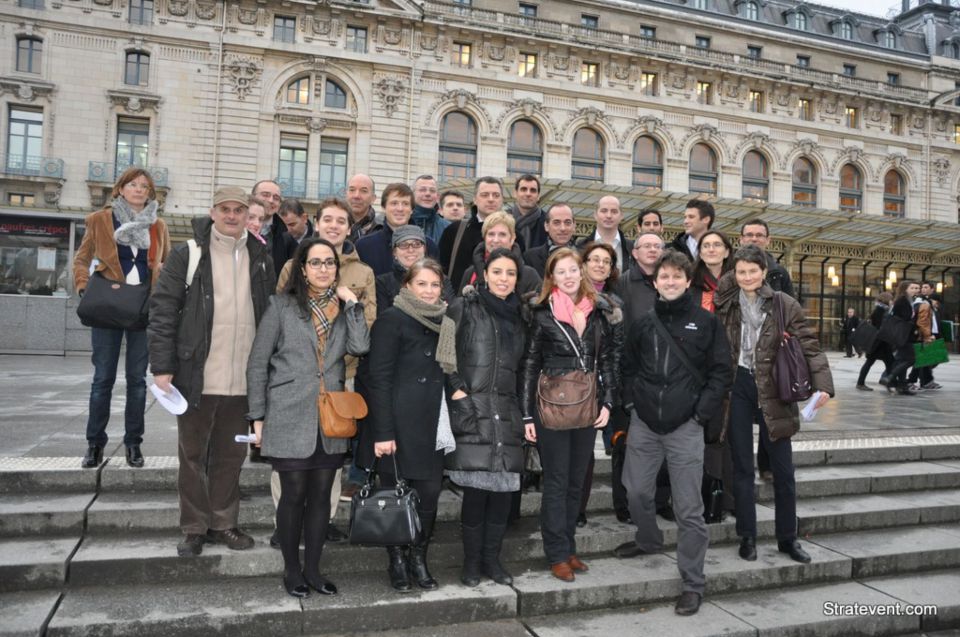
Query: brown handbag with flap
(339, 410)
(570, 401)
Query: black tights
(481, 506)
(304, 505)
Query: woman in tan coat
(130, 243)
(748, 313)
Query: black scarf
(506, 312)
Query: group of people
(453, 325)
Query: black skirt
(319, 459)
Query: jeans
(106, 354)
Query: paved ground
(44, 408)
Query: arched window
(588, 154)
(458, 147)
(894, 194)
(703, 169)
(955, 51)
(525, 149)
(334, 95)
(298, 91)
(137, 68)
(851, 189)
(756, 177)
(752, 11)
(800, 21)
(845, 30)
(647, 163)
(804, 183)
(29, 51)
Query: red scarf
(566, 312)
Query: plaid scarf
(324, 310)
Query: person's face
(913, 290)
(269, 192)
(647, 249)
(497, 237)
(598, 265)
(333, 224)
(136, 192)
(453, 209)
(560, 225)
(755, 235)
(850, 311)
(926, 290)
(567, 276)
(693, 224)
(425, 193)
(296, 224)
(426, 286)
(712, 249)
(671, 282)
(527, 195)
(409, 252)
(321, 267)
(255, 215)
(230, 218)
(360, 195)
(651, 223)
(398, 210)
(608, 213)
(501, 277)
(750, 276)
(488, 198)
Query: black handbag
(790, 370)
(712, 492)
(114, 304)
(384, 516)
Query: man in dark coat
(697, 219)
(461, 237)
(376, 250)
(364, 220)
(848, 325)
(426, 210)
(280, 244)
(560, 227)
(608, 217)
(527, 212)
(757, 232)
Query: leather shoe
(275, 539)
(748, 549)
(666, 513)
(577, 564)
(134, 457)
(623, 515)
(334, 534)
(628, 549)
(296, 586)
(191, 545)
(93, 457)
(793, 549)
(864, 388)
(582, 520)
(322, 585)
(688, 603)
(562, 571)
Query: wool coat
(98, 243)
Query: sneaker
(235, 539)
(931, 385)
(191, 545)
(347, 492)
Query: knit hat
(408, 233)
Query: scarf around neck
(567, 312)
(324, 310)
(134, 230)
(433, 317)
(752, 318)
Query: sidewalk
(44, 408)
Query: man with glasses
(757, 232)
(426, 213)
(280, 244)
(560, 228)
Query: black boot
(492, 543)
(417, 564)
(472, 554)
(398, 569)
(93, 458)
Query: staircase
(94, 553)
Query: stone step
(43, 514)
(29, 564)
(25, 613)
(804, 610)
(854, 513)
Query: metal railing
(107, 173)
(27, 166)
(309, 189)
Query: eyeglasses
(754, 235)
(409, 245)
(649, 246)
(600, 261)
(322, 264)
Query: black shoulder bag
(384, 516)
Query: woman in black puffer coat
(485, 413)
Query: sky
(870, 7)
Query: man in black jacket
(461, 237)
(280, 244)
(757, 232)
(560, 227)
(202, 325)
(676, 371)
(697, 219)
(527, 212)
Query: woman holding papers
(748, 312)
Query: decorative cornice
(134, 101)
(25, 89)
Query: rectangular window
(20, 199)
(136, 72)
(30, 4)
(803, 61)
(755, 52)
(357, 39)
(757, 104)
(284, 28)
(648, 32)
(704, 93)
(528, 65)
(141, 12)
(462, 7)
(896, 124)
(24, 140)
(702, 42)
(462, 54)
(292, 167)
(590, 74)
(333, 167)
(853, 117)
(133, 143)
(29, 51)
(589, 21)
(700, 4)
(806, 109)
(893, 79)
(528, 10)
(648, 83)
(850, 70)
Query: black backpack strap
(675, 348)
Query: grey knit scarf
(433, 317)
(134, 230)
(752, 318)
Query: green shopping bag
(930, 354)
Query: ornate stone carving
(103, 3)
(806, 147)
(206, 11)
(528, 108)
(133, 101)
(461, 99)
(647, 125)
(561, 62)
(941, 168)
(429, 42)
(679, 84)
(590, 116)
(321, 27)
(623, 72)
(248, 16)
(852, 155)
(757, 140)
(390, 90)
(316, 124)
(392, 36)
(244, 72)
(178, 7)
(26, 90)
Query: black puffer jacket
(487, 423)
(528, 279)
(550, 352)
(663, 392)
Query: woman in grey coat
(309, 327)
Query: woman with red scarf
(715, 259)
(572, 327)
